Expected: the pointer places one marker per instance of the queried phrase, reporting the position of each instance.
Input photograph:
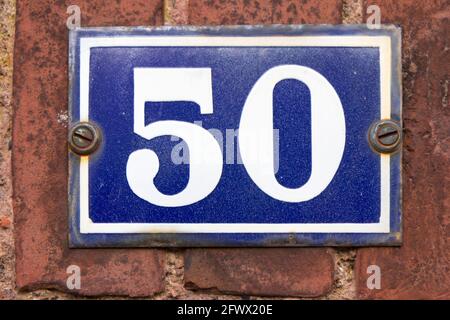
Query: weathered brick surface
(284, 272)
(40, 155)
(420, 268)
(207, 12)
(266, 272)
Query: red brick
(307, 272)
(40, 155)
(202, 12)
(420, 269)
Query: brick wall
(418, 269)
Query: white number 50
(256, 125)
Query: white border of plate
(382, 42)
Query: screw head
(84, 138)
(385, 136)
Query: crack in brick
(352, 11)
(176, 12)
(344, 282)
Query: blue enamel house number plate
(234, 136)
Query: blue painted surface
(354, 73)
(352, 197)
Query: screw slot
(385, 136)
(84, 138)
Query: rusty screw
(385, 136)
(84, 138)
